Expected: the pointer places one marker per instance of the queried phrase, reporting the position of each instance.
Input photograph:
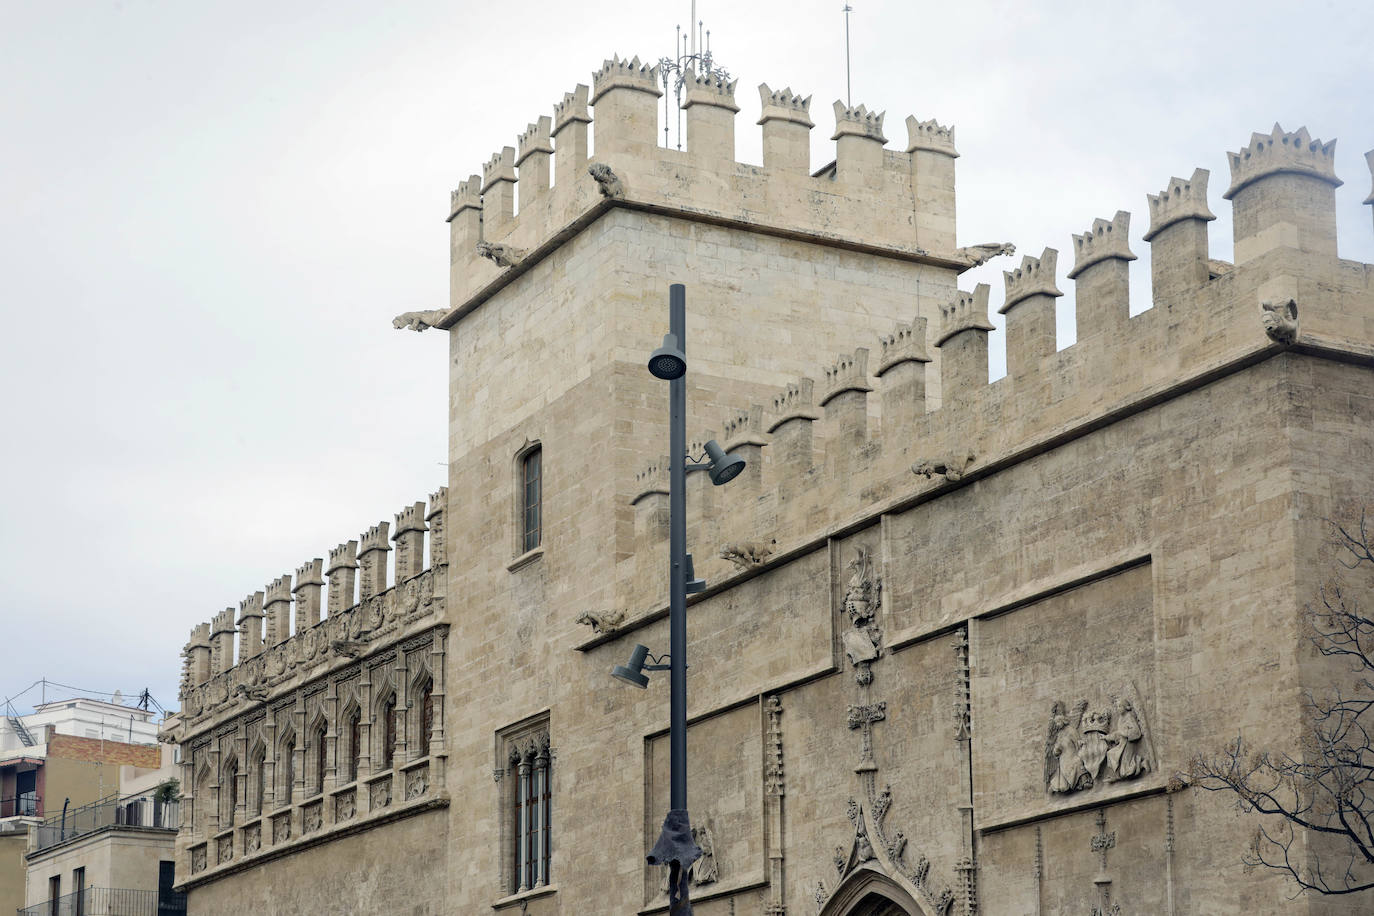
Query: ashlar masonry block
(1283, 194)
(710, 106)
(1029, 307)
(786, 123)
(1101, 270)
(1178, 237)
(625, 95)
(858, 144)
(963, 344)
(902, 375)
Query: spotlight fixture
(694, 584)
(723, 468)
(633, 672)
(668, 362)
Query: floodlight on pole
(668, 362)
(723, 467)
(633, 671)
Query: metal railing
(111, 901)
(26, 804)
(134, 811)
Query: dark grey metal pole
(677, 559)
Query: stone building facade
(957, 638)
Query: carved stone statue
(348, 648)
(1124, 758)
(601, 622)
(1280, 321)
(503, 255)
(705, 870)
(978, 255)
(606, 181)
(418, 321)
(1063, 767)
(951, 467)
(863, 640)
(747, 554)
(252, 694)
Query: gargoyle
(978, 255)
(503, 255)
(606, 181)
(418, 321)
(603, 622)
(252, 694)
(951, 468)
(1280, 321)
(747, 554)
(348, 648)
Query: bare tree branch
(1327, 786)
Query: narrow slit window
(531, 474)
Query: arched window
(200, 801)
(258, 773)
(426, 717)
(321, 757)
(531, 498)
(355, 748)
(287, 768)
(388, 733)
(229, 790)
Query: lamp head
(668, 362)
(724, 468)
(633, 672)
(694, 584)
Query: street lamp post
(675, 847)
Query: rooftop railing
(133, 811)
(111, 901)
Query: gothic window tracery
(287, 767)
(531, 811)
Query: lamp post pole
(677, 560)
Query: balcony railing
(26, 804)
(111, 901)
(134, 811)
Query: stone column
(570, 120)
(858, 144)
(931, 147)
(710, 107)
(465, 220)
(309, 579)
(535, 153)
(222, 641)
(250, 625)
(963, 344)
(1101, 269)
(278, 609)
(1178, 238)
(372, 551)
(625, 94)
(902, 377)
(343, 574)
(1283, 194)
(438, 544)
(410, 542)
(498, 193)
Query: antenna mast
(691, 51)
(848, 91)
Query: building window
(79, 891)
(229, 787)
(426, 718)
(529, 808)
(355, 728)
(259, 776)
(321, 758)
(532, 484)
(388, 733)
(54, 893)
(288, 771)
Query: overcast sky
(211, 211)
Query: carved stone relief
(1280, 321)
(601, 621)
(252, 839)
(417, 783)
(224, 849)
(418, 321)
(705, 870)
(345, 806)
(951, 467)
(863, 640)
(281, 829)
(503, 255)
(606, 181)
(747, 554)
(978, 255)
(198, 859)
(312, 818)
(1091, 745)
(380, 793)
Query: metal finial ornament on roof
(691, 52)
(848, 90)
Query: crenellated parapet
(625, 94)
(1282, 194)
(785, 118)
(1101, 256)
(963, 343)
(789, 421)
(372, 550)
(217, 682)
(277, 607)
(1178, 237)
(1030, 309)
(902, 360)
(710, 106)
(858, 143)
(930, 136)
(438, 544)
(498, 190)
(535, 152)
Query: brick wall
(94, 750)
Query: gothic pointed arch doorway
(868, 892)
